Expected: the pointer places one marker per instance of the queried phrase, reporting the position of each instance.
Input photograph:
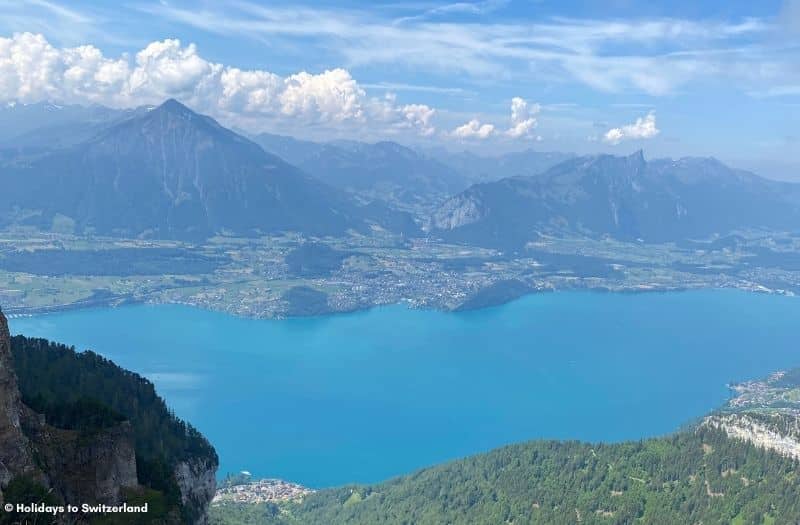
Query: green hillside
(691, 477)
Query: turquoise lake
(365, 396)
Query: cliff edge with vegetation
(75, 429)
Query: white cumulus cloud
(419, 116)
(523, 121)
(33, 70)
(331, 95)
(473, 130)
(523, 118)
(643, 128)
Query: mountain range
(477, 168)
(626, 198)
(45, 125)
(384, 170)
(411, 178)
(169, 172)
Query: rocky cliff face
(16, 454)
(458, 211)
(758, 432)
(197, 481)
(85, 470)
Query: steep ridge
(622, 197)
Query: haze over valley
(479, 262)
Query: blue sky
(674, 78)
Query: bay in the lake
(365, 396)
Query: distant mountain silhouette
(170, 172)
(384, 170)
(488, 168)
(292, 150)
(622, 197)
(47, 126)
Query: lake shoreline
(122, 301)
(371, 394)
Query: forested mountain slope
(692, 477)
(75, 428)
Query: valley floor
(45, 272)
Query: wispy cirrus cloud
(60, 11)
(67, 24)
(420, 88)
(652, 56)
(458, 8)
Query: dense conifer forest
(698, 476)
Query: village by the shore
(246, 490)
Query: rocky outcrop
(756, 431)
(16, 454)
(457, 211)
(80, 468)
(197, 482)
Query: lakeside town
(780, 392)
(242, 489)
(275, 277)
